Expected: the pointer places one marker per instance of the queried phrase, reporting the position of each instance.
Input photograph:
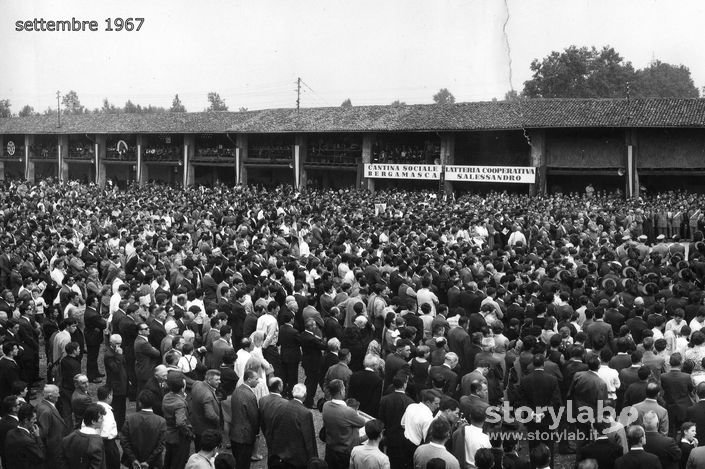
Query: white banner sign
(403, 171)
(500, 174)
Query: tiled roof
(500, 115)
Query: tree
(132, 108)
(216, 103)
(176, 105)
(664, 80)
(511, 95)
(5, 110)
(580, 73)
(27, 111)
(444, 97)
(49, 111)
(347, 104)
(108, 108)
(398, 103)
(242, 109)
(72, 105)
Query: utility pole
(298, 93)
(58, 108)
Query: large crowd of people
(416, 325)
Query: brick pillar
(140, 165)
(630, 138)
(28, 163)
(63, 166)
(241, 140)
(538, 160)
(101, 141)
(301, 141)
(189, 150)
(447, 157)
(367, 142)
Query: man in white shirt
(243, 355)
(418, 417)
(426, 296)
(609, 375)
(109, 429)
(475, 438)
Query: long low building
(543, 145)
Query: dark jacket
(81, 451)
(142, 438)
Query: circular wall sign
(11, 148)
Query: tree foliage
(108, 107)
(347, 104)
(132, 108)
(444, 97)
(664, 80)
(72, 105)
(176, 105)
(216, 103)
(591, 73)
(5, 108)
(27, 111)
(398, 103)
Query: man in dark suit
(290, 353)
(204, 407)
(540, 389)
(144, 434)
(269, 407)
(10, 407)
(70, 367)
(129, 330)
(628, 376)
(475, 400)
(662, 446)
(602, 450)
(472, 347)
(157, 331)
(85, 447)
(80, 399)
(93, 332)
(245, 420)
(677, 391)
(114, 363)
(342, 425)
(586, 390)
(9, 369)
(446, 374)
(24, 444)
(399, 360)
(457, 338)
(51, 425)
(219, 347)
(391, 409)
(311, 359)
(294, 441)
(599, 333)
(146, 357)
(696, 413)
(28, 335)
(366, 387)
(637, 457)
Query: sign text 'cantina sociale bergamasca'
(498, 174)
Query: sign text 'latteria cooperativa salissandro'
(498, 174)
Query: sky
(251, 52)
